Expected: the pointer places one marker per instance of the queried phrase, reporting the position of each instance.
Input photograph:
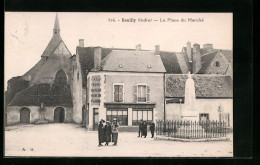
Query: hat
(114, 119)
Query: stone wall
(213, 69)
(13, 114)
(77, 91)
(60, 59)
(207, 106)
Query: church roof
(206, 86)
(55, 40)
(56, 24)
(54, 95)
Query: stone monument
(189, 112)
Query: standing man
(152, 128)
(115, 127)
(140, 128)
(144, 132)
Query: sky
(28, 33)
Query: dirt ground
(71, 140)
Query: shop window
(120, 114)
(118, 93)
(224, 117)
(144, 114)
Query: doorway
(59, 115)
(204, 117)
(25, 115)
(95, 118)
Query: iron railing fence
(191, 129)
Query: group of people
(143, 129)
(105, 131)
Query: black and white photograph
(129, 84)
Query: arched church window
(60, 77)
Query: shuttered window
(118, 93)
(141, 93)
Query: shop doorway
(95, 118)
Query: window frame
(123, 97)
(217, 64)
(141, 84)
(142, 110)
(118, 109)
(200, 115)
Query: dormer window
(217, 64)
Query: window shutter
(148, 94)
(120, 93)
(135, 94)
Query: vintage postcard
(102, 84)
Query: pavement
(72, 140)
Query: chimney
(196, 58)
(157, 50)
(188, 51)
(138, 47)
(208, 47)
(97, 58)
(81, 42)
(196, 48)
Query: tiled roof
(206, 86)
(54, 95)
(137, 61)
(183, 62)
(171, 63)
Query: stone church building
(130, 84)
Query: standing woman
(101, 133)
(108, 132)
(144, 133)
(115, 127)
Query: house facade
(128, 85)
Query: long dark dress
(144, 130)
(108, 133)
(140, 129)
(152, 128)
(101, 133)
